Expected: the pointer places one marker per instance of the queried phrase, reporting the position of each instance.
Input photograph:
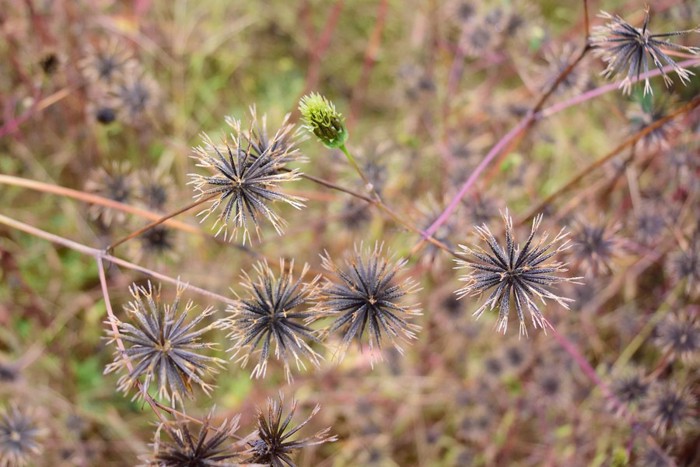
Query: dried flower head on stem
(274, 313)
(366, 296)
(200, 449)
(162, 346)
(626, 49)
(515, 273)
(272, 445)
(246, 172)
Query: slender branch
(382, 206)
(333, 186)
(157, 222)
(95, 253)
(519, 129)
(13, 125)
(92, 199)
(522, 126)
(600, 162)
(102, 201)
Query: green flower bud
(321, 118)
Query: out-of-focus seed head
(657, 138)
(671, 408)
(107, 63)
(115, 182)
(161, 346)
(19, 437)
(273, 314)
(321, 119)
(105, 115)
(134, 97)
(514, 273)
(630, 388)
(679, 335)
(594, 246)
(366, 296)
(684, 265)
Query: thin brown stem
(336, 187)
(383, 207)
(117, 339)
(92, 199)
(600, 162)
(157, 222)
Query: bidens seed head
(321, 118)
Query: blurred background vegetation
(427, 88)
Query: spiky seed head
(246, 172)
(321, 119)
(274, 314)
(626, 49)
(161, 346)
(207, 448)
(671, 408)
(19, 437)
(366, 296)
(679, 335)
(515, 274)
(272, 444)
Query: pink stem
(522, 126)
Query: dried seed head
(19, 437)
(162, 346)
(670, 408)
(272, 444)
(367, 296)
(201, 449)
(246, 171)
(273, 314)
(515, 274)
(627, 49)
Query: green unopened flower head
(321, 118)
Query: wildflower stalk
(639, 339)
(353, 163)
(120, 344)
(101, 254)
(157, 222)
(600, 162)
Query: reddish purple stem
(521, 126)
